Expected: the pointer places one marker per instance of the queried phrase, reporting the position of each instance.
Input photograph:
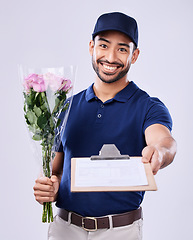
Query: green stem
(47, 215)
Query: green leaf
(37, 111)
(34, 129)
(36, 137)
(24, 108)
(44, 107)
(40, 99)
(57, 104)
(42, 121)
(66, 107)
(31, 117)
(58, 122)
(30, 99)
(51, 122)
(27, 121)
(57, 101)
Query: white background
(47, 32)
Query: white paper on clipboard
(103, 173)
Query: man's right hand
(46, 189)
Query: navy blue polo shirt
(92, 123)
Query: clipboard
(110, 155)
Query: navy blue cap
(119, 22)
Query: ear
(135, 56)
(91, 47)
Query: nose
(111, 56)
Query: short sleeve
(157, 113)
(59, 148)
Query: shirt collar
(90, 93)
(121, 96)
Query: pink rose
(40, 82)
(28, 82)
(57, 83)
(36, 82)
(66, 85)
(53, 81)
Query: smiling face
(112, 55)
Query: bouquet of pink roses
(45, 97)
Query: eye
(123, 50)
(103, 45)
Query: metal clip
(95, 223)
(109, 152)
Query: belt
(94, 223)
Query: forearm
(57, 165)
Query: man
(111, 111)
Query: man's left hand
(152, 155)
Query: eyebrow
(124, 44)
(104, 39)
(120, 44)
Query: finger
(41, 196)
(155, 172)
(41, 200)
(44, 180)
(54, 178)
(55, 181)
(147, 154)
(38, 193)
(155, 163)
(154, 169)
(43, 187)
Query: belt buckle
(95, 223)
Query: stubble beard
(113, 79)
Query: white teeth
(109, 68)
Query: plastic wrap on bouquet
(47, 93)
